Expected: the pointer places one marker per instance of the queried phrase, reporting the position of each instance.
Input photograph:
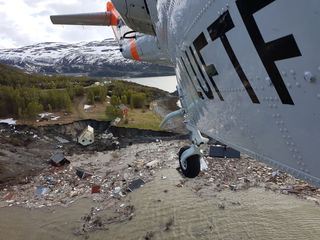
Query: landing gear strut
(190, 156)
(190, 165)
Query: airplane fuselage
(248, 75)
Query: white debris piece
(61, 140)
(179, 104)
(87, 136)
(153, 163)
(55, 118)
(9, 121)
(107, 136)
(116, 122)
(203, 165)
(87, 107)
(46, 114)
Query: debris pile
(244, 173)
(108, 176)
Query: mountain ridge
(95, 59)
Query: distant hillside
(16, 78)
(24, 95)
(98, 59)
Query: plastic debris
(62, 140)
(41, 191)
(9, 121)
(58, 159)
(81, 173)
(117, 192)
(96, 189)
(153, 164)
(136, 184)
(203, 165)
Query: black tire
(193, 164)
(184, 148)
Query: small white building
(87, 136)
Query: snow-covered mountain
(100, 59)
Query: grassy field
(143, 119)
(137, 118)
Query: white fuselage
(249, 74)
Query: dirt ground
(26, 150)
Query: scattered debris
(222, 206)
(203, 165)
(116, 122)
(9, 121)
(58, 159)
(236, 203)
(149, 236)
(41, 191)
(87, 136)
(153, 163)
(220, 151)
(96, 189)
(91, 222)
(117, 192)
(107, 136)
(107, 175)
(86, 108)
(136, 184)
(45, 115)
(55, 118)
(233, 187)
(83, 174)
(62, 140)
(9, 196)
(169, 224)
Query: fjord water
(259, 215)
(166, 83)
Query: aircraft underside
(248, 72)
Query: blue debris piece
(220, 151)
(41, 191)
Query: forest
(24, 95)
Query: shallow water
(167, 83)
(260, 215)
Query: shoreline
(222, 203)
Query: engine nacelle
(144, 48)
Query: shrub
(138, 100)
(113, 112)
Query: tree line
(28, 102)
(26, 95)
(13, 77)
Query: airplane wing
(93, 19)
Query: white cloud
(25, 22)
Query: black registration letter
(218, 29)
(279, 49)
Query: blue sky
(25, 22)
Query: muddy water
(253, 214)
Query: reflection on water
(167, 83)
(254, 214)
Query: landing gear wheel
(191, 167)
